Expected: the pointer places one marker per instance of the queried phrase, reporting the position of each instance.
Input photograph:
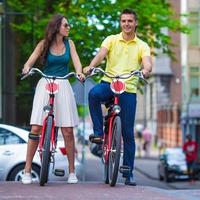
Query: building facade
(190, 61)
(172, 101)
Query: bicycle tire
(106, 173)
(104, 157)
(114, 155)
(45, 160)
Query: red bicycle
(48, 138)
(112, 126)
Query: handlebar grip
(23, 76)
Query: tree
(91, 21)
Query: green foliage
(83, 111)
(91, 21)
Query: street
(148, 186)
(145, 174)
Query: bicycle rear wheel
(45, 159)
(106, 173)
(114, 155)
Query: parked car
(172, 165)
(13, 145)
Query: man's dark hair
(189, 136)
(129, 11)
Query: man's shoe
(130, 181)
(96, 139)
(26, 178)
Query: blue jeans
(102, 93)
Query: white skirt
(65, 110)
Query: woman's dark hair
(52, 29)
(129, 11)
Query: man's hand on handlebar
(87, 70)
(145, 73)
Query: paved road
(148, 167)
(145, 167)
(94, 188)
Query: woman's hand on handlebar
(25, 70)
(81, 77)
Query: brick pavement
(91, 191)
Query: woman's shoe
(26, 178)
(72, 179)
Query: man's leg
(100, 93)
(128, 105)
(193, 170)
(189, 170)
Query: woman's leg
(68, 136)
(32, 146)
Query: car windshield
(176, 156)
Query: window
(194, 82)
(8, 137)
(194, 22)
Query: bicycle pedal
(124, 169)
(59, 172)
(96, 142)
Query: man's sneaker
(72, 178)
(26, 178)
(130, 181)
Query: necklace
(57, 50)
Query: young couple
(124, 52)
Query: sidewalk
(91, 191)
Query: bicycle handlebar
(137, 73)
(36, 70)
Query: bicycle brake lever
(92, 72)
(23, 76)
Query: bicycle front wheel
(45, 159)
(114, 155)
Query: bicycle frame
(110, 118)
(50, 109)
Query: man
(190, 150)
(125, 52)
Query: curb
(153, 178)
(146, 174)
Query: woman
(54, 52)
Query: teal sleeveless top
(58, 65)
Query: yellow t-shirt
(124, 57)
